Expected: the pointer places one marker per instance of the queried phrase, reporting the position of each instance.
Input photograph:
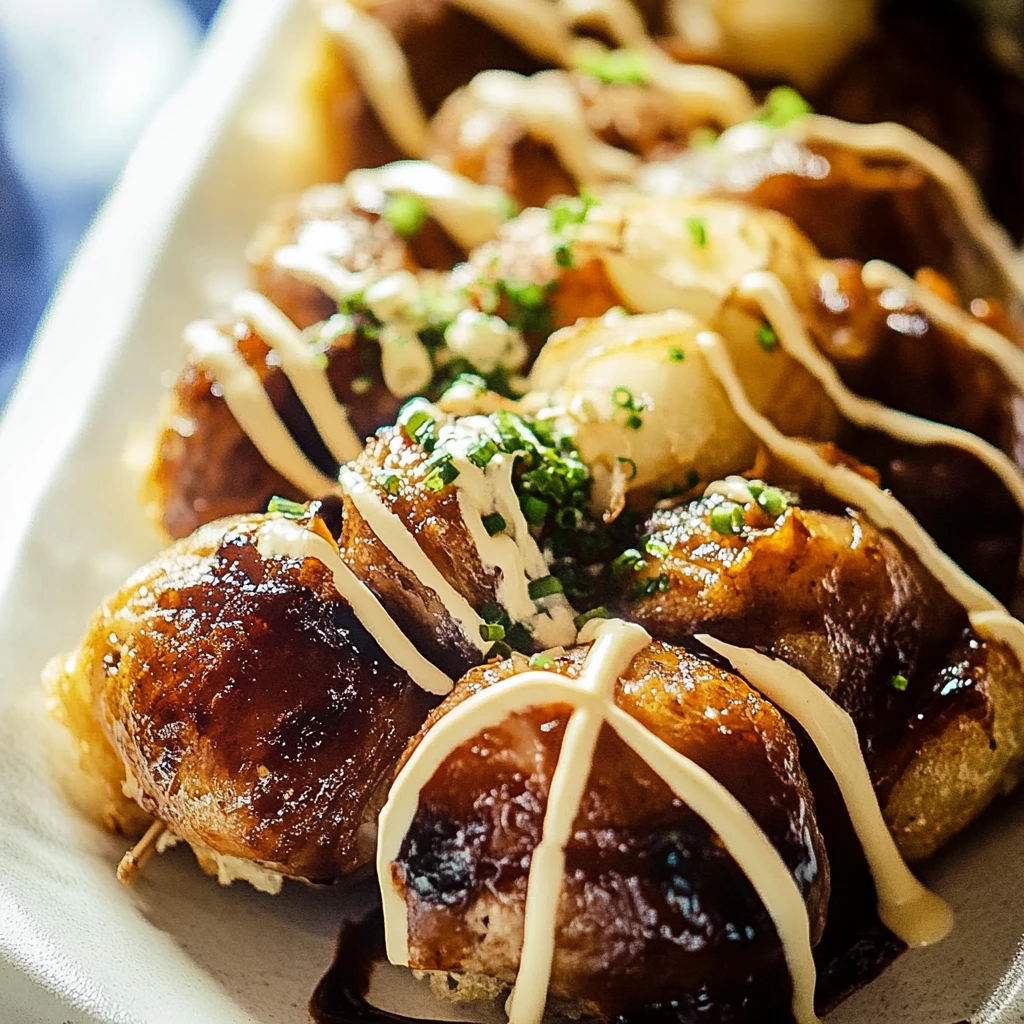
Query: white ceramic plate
(75, 946)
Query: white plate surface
(75, 946)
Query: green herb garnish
(615, 67)
(388, 481)
(783, 105)
(544, 587)
(405, 213)
(899, 682)
(698, 231)
(443, 474)
(542, 661)
(767, 338)
(676, 355)
(287, 508)
(494, 523)
(727, 518)
(492, 631)
(600, 612)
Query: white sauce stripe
(616, 644)
(915, 914)
(988, 617)
(978, 336)
(470, 214)
(307, 375)
(777, 306)
(285, 538)
(543, 29)
(392, 533)
(550, 109)
(747, 845)
(382, 71)
(899, 141)
(610, 657)
(245, 396)
(321, 271)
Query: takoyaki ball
(444, 47)
(205, 466)
(253, 714)
(852, 204)
(435, 482)
(649, 416)
(652, 910)
(325, 221)
(939, 711)
(497, 148)
(887, 349)
(942, 76)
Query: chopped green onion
(405, 213)
(568, 518)
(698, 231)
(898, 682)
(563, 256)
(600, 612)
(727, 518)
(783, 105)
(630, 464)
(567, 212)
(494, 523)
(535, 510)
(492, 631)
(767, 338)
(615, 67)
(287, 508)
(756, 488)
(544, 587)
(772, 501)
(482, 453)
(441, 476)
(389, 481)
(658, 548)
(629, 561)
(321, 361)
(415, 419)
(623, 398)
(634, 421)
(676, 355)
(542, 661)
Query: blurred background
(79, 81)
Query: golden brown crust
(253, 713)
(435, 520)
(652, 909)
(848, 605)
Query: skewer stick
(135, 859)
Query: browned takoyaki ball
(249, 710)
(652, 908)
(938, 710)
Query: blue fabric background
(46, 203)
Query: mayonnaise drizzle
(395, 536)
(383, 72)
(543, 29)
(778, 308)
(615, 645)
(307, 375)
(986, 615)
(915, 914)
(470, 214)
(245, 396)
(514, 553)
(285, 538)
(897, 140)
(1000, 350)
(550, 109)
